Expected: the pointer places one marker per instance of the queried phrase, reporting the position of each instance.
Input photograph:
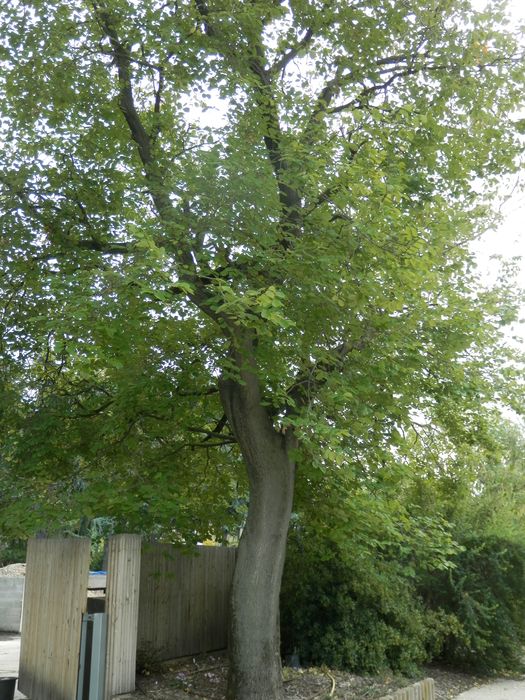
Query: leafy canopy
(175, 176)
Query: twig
(332, 689)
(332, 678)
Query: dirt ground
(204, 677)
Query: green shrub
(361, 616)
(485, 592)
(12, 552)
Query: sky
(508, 239)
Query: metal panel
(97, 675)
(82, 659)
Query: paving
(9, 656)
(497, 690)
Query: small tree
(290, 277)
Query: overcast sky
(508, 240)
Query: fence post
(122, 607)
(54, 600)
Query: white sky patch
(507, 241)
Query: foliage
(293, 273)
(357, 614)
(497, 506)
(98, 530)
(478, 489)
(459, 571)
(485, 591)
(149, 661)
(112, 313)
(12, 552)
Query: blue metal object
(97, 675)
(92, 662)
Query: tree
(290, 276)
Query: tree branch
(115, 248)
(122, 61)
(166, 211)
(280, 65)
(289, 197)
(358, 102)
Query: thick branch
(122, 60)
(216, 432)
(289, 197)
(280, 65)
(242, 400)
(115, 248)
(166, 211)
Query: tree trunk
(255, 659)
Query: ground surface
(498, 690)
(205, 677)
(9, 656)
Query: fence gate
(55, 599)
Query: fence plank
(423, 690)
(54, 599)
(184, 599)
(122, 602)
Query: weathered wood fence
(122, 608)
(184, 600)
(173, 603)
(54, 599)
(423, 690)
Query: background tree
(434, 572)
(291, 276)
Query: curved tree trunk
(255, 661)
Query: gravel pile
(13, 570)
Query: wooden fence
(423, 690)
(55, 598)
(176, 604)
(122, 606)
(184, 600)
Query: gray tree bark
(255, 660)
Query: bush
(361, 616)
(12, 552)
(485, 592)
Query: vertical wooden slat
(55, 598)
(122, 602)
(184, 599)
(423, 690)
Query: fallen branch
(323, 692)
